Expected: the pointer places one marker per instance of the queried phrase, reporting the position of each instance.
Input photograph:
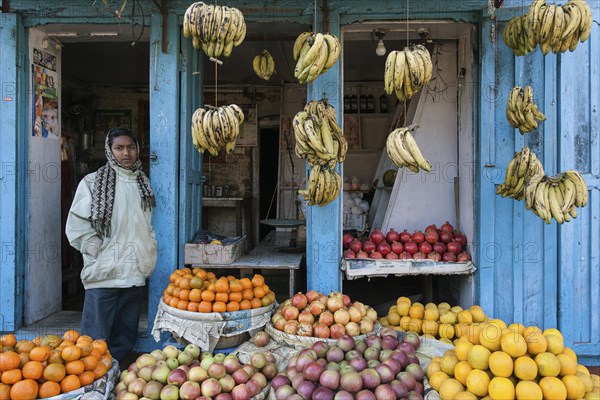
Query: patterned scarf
(103, 195)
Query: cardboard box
(217, 254)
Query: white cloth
(128, 256)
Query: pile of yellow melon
(514, 362)
(439, 321)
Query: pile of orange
(194, 289)
(50, 365)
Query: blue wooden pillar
(324, 224)
(164, 153)
(13, 169)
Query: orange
(235, 285)
(170, 288)
(186, 270)
(49, 389)
(245, 305)
(54, 372)
(205, 307)
(106, 359)
(86, 378)
(71, 353)
(256, 303)
(89, 362)
(188, 276)
(247, 294)
(182, 305)
(208, 295)
(222, 285)
(265, 301)
(99, 371)
(32, 370)
(176, 292)
(24, 357)
(8, 340)
(75, 367)
(195, 295)
(12, 376)
(86, 348)
(233, 306)
(40, 353)
(184, 283)
(4, 391)
(219, 306)
(71, 335)
(211, 287)
(167, 299)
(37, 340)
(196, 282)
(193, 306)
(24, 346)
(55, 357)
(26, 389)
(259, 292)
(84, 338)
(266, 289)
(235, 296)
(173, 302)
(174, 276)
(200, 273)
(9, 360)
(96, 353)
(258, 280)
(184, 294)
(70, 383)
(246, 283)
(210, 275)
(224, 297)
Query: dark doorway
(269, 161)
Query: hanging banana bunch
(315, 53)
(521, 111)
(264, 65)
(214, 29)
(216, 127)
(523, 167)
(404, 151)
(552, 27)
(323, 186)
(319, 138)
(407, 71)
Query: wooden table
(240, 204)
(268, 256)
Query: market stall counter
(268, 255)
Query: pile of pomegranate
(437, 244)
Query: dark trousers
(113, 314)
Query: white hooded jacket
(128, 256)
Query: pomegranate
(376, 236)
(449, 257)
(430, 227)
(290, 312)
(434, 256)
(368, 246)
(384, 248)
(355, 246)
(321, 331)
(411, 247)
(299, 301)
(391, 256)
(446, 237)
(431, 236)
(447, 227)
(346, 300)
(425, 248)
(349, 254)
(313, 295)
(404, 236)
(439, 247)
(419, 256)
(404, 256)
(397, 247)
(346, 240)
(392, 236)
(418, 237)
(362, 254)
(460, 238)
(336, 331)
(463, 256)
(376, 255)
(454, 247)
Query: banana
(315, 46)
(399, 67)
(524, 161)
(581, 198)
(585, 25)
(327, 138)
(555, 208)
(530, 188)
(414, 69)
(299, 43)
(413, 148)
(569, 194)
(573, 15)
(402, 148)
(407, 85)
(392, 150)
(263, 65)
(557, 28)
(317, 65)
(428, 65)
(547, 26)
(334, 49)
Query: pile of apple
(172, 374)
(443, 244)
(377, 368)
(315, 314)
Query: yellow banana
(299, 43)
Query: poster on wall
(45, 95)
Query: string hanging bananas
(521, 111)
(403, 150)
(214, 29)
(264, 65)
(552, 27)
(314, 54)
(407, 71)
(216, 127)
(324, 185)
(556, 197)
(319, 138)
(524, 166)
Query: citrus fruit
(449, 388)
(478, 357)
(501, 389)
(548, 364)
(477, 382)
(501, 364)
(553, 388)
(527, 390)
(525, 368)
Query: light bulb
(380, 50)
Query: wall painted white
(43, 277)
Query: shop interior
(95, 99)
